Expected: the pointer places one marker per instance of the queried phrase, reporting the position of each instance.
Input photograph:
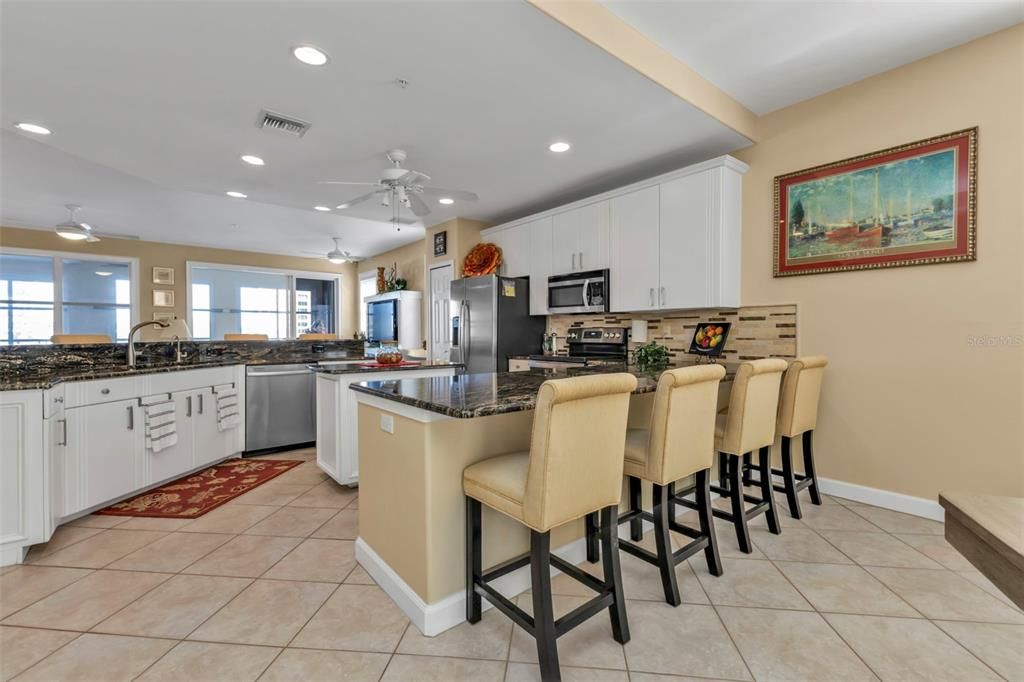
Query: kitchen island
(415, 438)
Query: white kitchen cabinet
(174, 460)
(55, 441)
(22, 474)
(700, 250)
(580, 239)
(337, 419)
(210, 444)
(104, 453)
(634, 270)
(515, 251)
(540, 263)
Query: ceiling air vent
(286, 124)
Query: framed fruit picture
(709, 338)
(907, 205)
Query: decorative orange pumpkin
(482, 259)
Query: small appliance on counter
(493, 322)
(588, 346)
(578, 292)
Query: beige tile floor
(267, 588)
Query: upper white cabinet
(670, 242)
(580, 239)
(515, 251)
(635, 255)
(540, 262)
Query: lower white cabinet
(104, 452)
(337, 418)
(78, 446)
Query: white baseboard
(887, 499)
(12, 554)
(434, 618)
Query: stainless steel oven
(578, 292)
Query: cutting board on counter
(383, 365)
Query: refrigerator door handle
(465, 333)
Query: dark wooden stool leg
(707, 521)
(474, 567)
(747, 480)
(666, 565)
(723, 470)
(789, 478)
(739, 517)
(636, 526)
(809, 470)
(543, 609)
(765, 461)
(613, 573)
(593, 537)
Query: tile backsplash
(757, 331)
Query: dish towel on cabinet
(161, 425)
(227, 407)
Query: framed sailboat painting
(908, 205)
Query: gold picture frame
(914, 204)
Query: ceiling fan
(73, 229)
(337, 256)
(400, 187)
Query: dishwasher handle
(282, 373)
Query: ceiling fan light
(236, 195)
(341, 206)
(447, 201)
(33, 128)
(321, 208)
(336, 259)
(75, 233)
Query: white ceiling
(769, 54)
(152, 103)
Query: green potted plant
(651, 356)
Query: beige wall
(154, 254)
(909, 404)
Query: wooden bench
(989, 531)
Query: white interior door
(440, 323)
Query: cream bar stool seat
(67, 339)
(748, 425)
(245, 337)
(798, 415)
(679, 443)
(573, 468)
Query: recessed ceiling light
(321, 208)
(446, 201)
(32, 128)
(236, 195)
(559, 147)
(252, 160)
(104, 273)
(307, 54)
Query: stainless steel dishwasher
(280, 406)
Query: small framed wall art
(163, 317)
(163, 298)
(164, 276)
(440, 244)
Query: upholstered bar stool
(573, 468)
(245, 337)
(679, 443)
(798, 415)
(749, 425)
(317, 336)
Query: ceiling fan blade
(358, 200)
(453, 193)
(417, 206)
(412, 178)
(346, 182)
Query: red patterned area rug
(203, 491)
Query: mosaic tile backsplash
(757, 331)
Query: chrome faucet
(131, 337)
(178, 355)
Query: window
(226, 299)
(367, 287)
(42, 295)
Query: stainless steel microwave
(578, 292)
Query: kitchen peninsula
(415, 438)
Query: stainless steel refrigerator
(492, 322)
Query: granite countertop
(349, 367)
(465, 396)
